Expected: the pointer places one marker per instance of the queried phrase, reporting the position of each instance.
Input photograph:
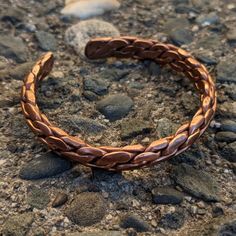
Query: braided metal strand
(131, 156)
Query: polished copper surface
(131, 156)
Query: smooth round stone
(225, 136)
(135, 222)
(47, 165)
(228, 125)
(115, 107)
(166, 195)
(77, 36)
(88, 208)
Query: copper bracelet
(131, 156)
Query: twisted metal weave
(131, 156)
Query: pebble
(166, 195)
(226, 70)
(98, 233)
(229, 152)
(231, 36)
(196, 182)
(18, 225)
(209, 19)
(173, 220)
(89, 8)
(13, 48)
(46, 165)
(83, 124)
(225, 136)
(13, 15)
(46, 41)
(79, 34)
(60, 199)
(37, 197)
(181, 36)
(228, 125)
(87, 208)
(97, 86)
(18, 72)
(228, 229)
(135, 222)
(134, 127)
(115, 107)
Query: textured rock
(18, 225)
(37, 197)
(60, 199)
(83, 124)
(166, 195)
(133, 221)
(173, 220)
(47, 165)
(134, 127)
(226, 70)
(229, 152)
(78, 35)
(46, 41)
(115, 107)
(165, 127)
(181, 36)
(196, 182)
(84, 9)
(13, 48)
(225, 136)
(98, 86)
(87, 209)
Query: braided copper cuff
(132, 156)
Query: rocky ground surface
(42, 194)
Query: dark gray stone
(225, 136)
(90, 96)
(100, 233)
(229, 152)
(37, 197)
(115, 107)
(173, 220)
(166, 195)
(83, 124)
(231, 36)
(46, 41)
(18, 225)
(181, 36)
(134, 127)
(87, 209)
(226, 70)
(47, 165)
(133, 221)
(228, 125)
(228, 229)
(60, 199)
(206, 58)
(13, 48)
(13, 15)
(98, 86)
(196, 182)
